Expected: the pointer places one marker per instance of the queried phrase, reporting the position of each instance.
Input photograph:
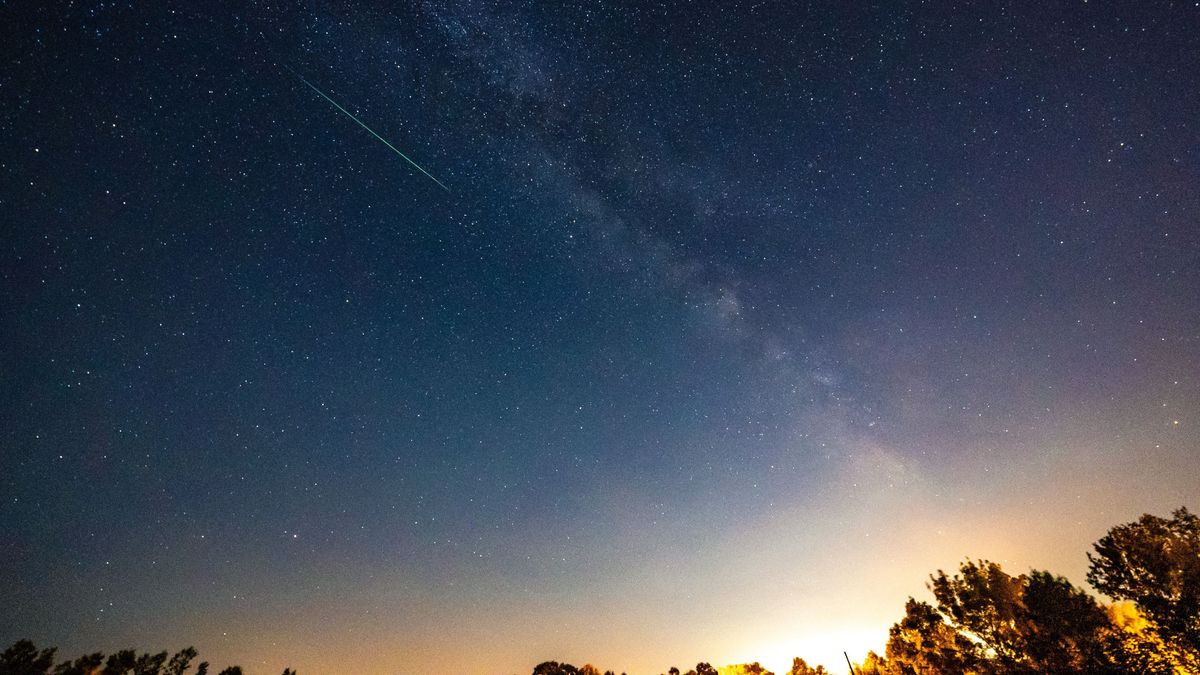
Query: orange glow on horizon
(823, 648)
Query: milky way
(740, 320)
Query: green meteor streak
(370, 130)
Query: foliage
(923, 642)
(1136, 647)
(800, 667)
(87, 665)
(182, 659)
(1155, 562)
(555, 668)
(24, 658)
(745, 669)
(987, 621)
(874, 664)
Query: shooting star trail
(370, 130)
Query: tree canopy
(1155, 562)
(986, 620)
(24, 658)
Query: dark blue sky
(722, 296)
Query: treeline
(799, 667)
(24, 658)
(983, 621)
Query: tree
(704, 668)
(1028, 623)
(89, 664)
(180, 661)
(924, 642)
(984, 601)
(1155, 562)
(24, 658)
(1063, 627)
(801, 667)
(232, 670)
(875, 664)
(555, 668)
(120, 663)
(988, 621)
(1138, 648)
(149, 664)
(748, 669)
(128, 662)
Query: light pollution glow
(826, 573)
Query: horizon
(454, 338)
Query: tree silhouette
(555, 668)
(120, 663)
(1064, 627)
(1155, 562)
(749, 669)
(923, 642)
(180, 661)
(988, 621)
(24, 658)
(84, 665)
(149, 664)
(801, 667)
(984, 602)
(874, 664)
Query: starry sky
(735, 322)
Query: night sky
(735, 322)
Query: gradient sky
(737, 321)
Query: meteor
(370, 130)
